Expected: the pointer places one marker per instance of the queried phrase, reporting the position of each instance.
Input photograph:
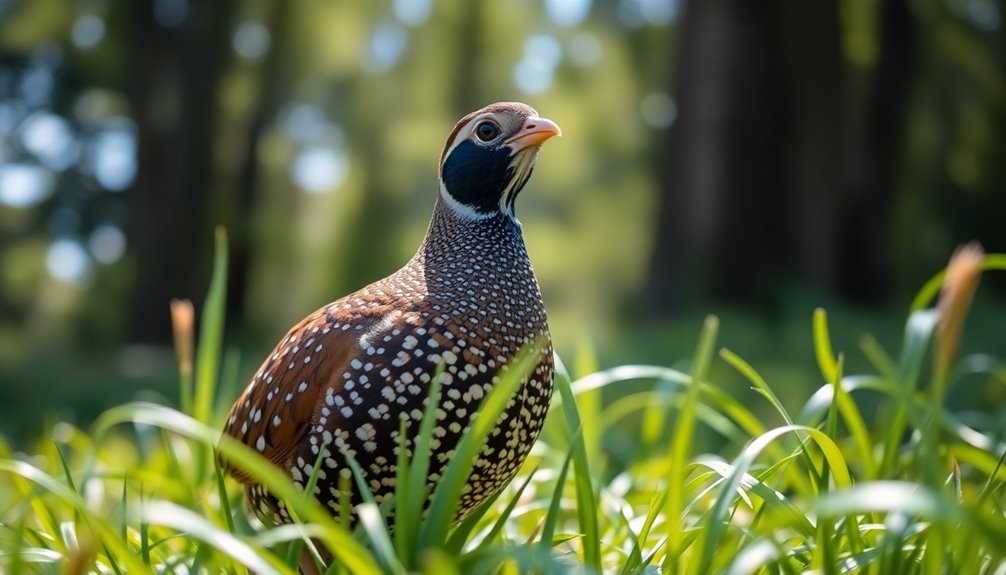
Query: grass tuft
(875, 474)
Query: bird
(349, 376)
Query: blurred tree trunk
(812, 94)
(273, 90)
(169, 232)
(757, 188)
(721, 185)
(874, 158)
(469, 41)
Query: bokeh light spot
(584, 49)
(412, 12)
(87, 32)
(567, 12)
(107, 244)
(544, 47)
(113, 155)
(636, 13)
(985, 14)
(67, 261)
(658, 110)
(36, 85)
(25, 185)
(308, 124)
(318, 170)
(251, 40)
(386, 47)
(532, 75)
(49, 138)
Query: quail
(344, 379)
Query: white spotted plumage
(348, 375)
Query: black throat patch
(476, 176)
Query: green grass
(906, 486)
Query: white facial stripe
(464, 212)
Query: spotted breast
(344, 379)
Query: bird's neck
(453, 242)
(457, 234)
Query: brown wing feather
(274, 414)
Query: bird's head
(489, 157)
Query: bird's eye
(487, 131)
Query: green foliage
(917, 488)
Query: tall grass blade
(636, 562)
(414, 495)
(447, 494)
(171, 515)
(50, 485)
(69, 477)
(918, 332)
(225, 504)
(15, 553)
(554, 508)
(144, 533)
(774, 501)
(377, 533)
(293, 552)
(589, 404)
(823, 557)
(925, 296)
(681, 443)
(250, 462)
(208, 353)
(586, 501)
(501, 521)
(715, 523)
(461, 534)
(856, 425)
(822, 346)
(211, 334)
(759, 383)
(878, 357)
(763, 389)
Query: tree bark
(814, 104)
(168, 231)
(721, 183)
(777, 172)
(874, 155)
(274, 89)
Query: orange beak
(533, 133)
